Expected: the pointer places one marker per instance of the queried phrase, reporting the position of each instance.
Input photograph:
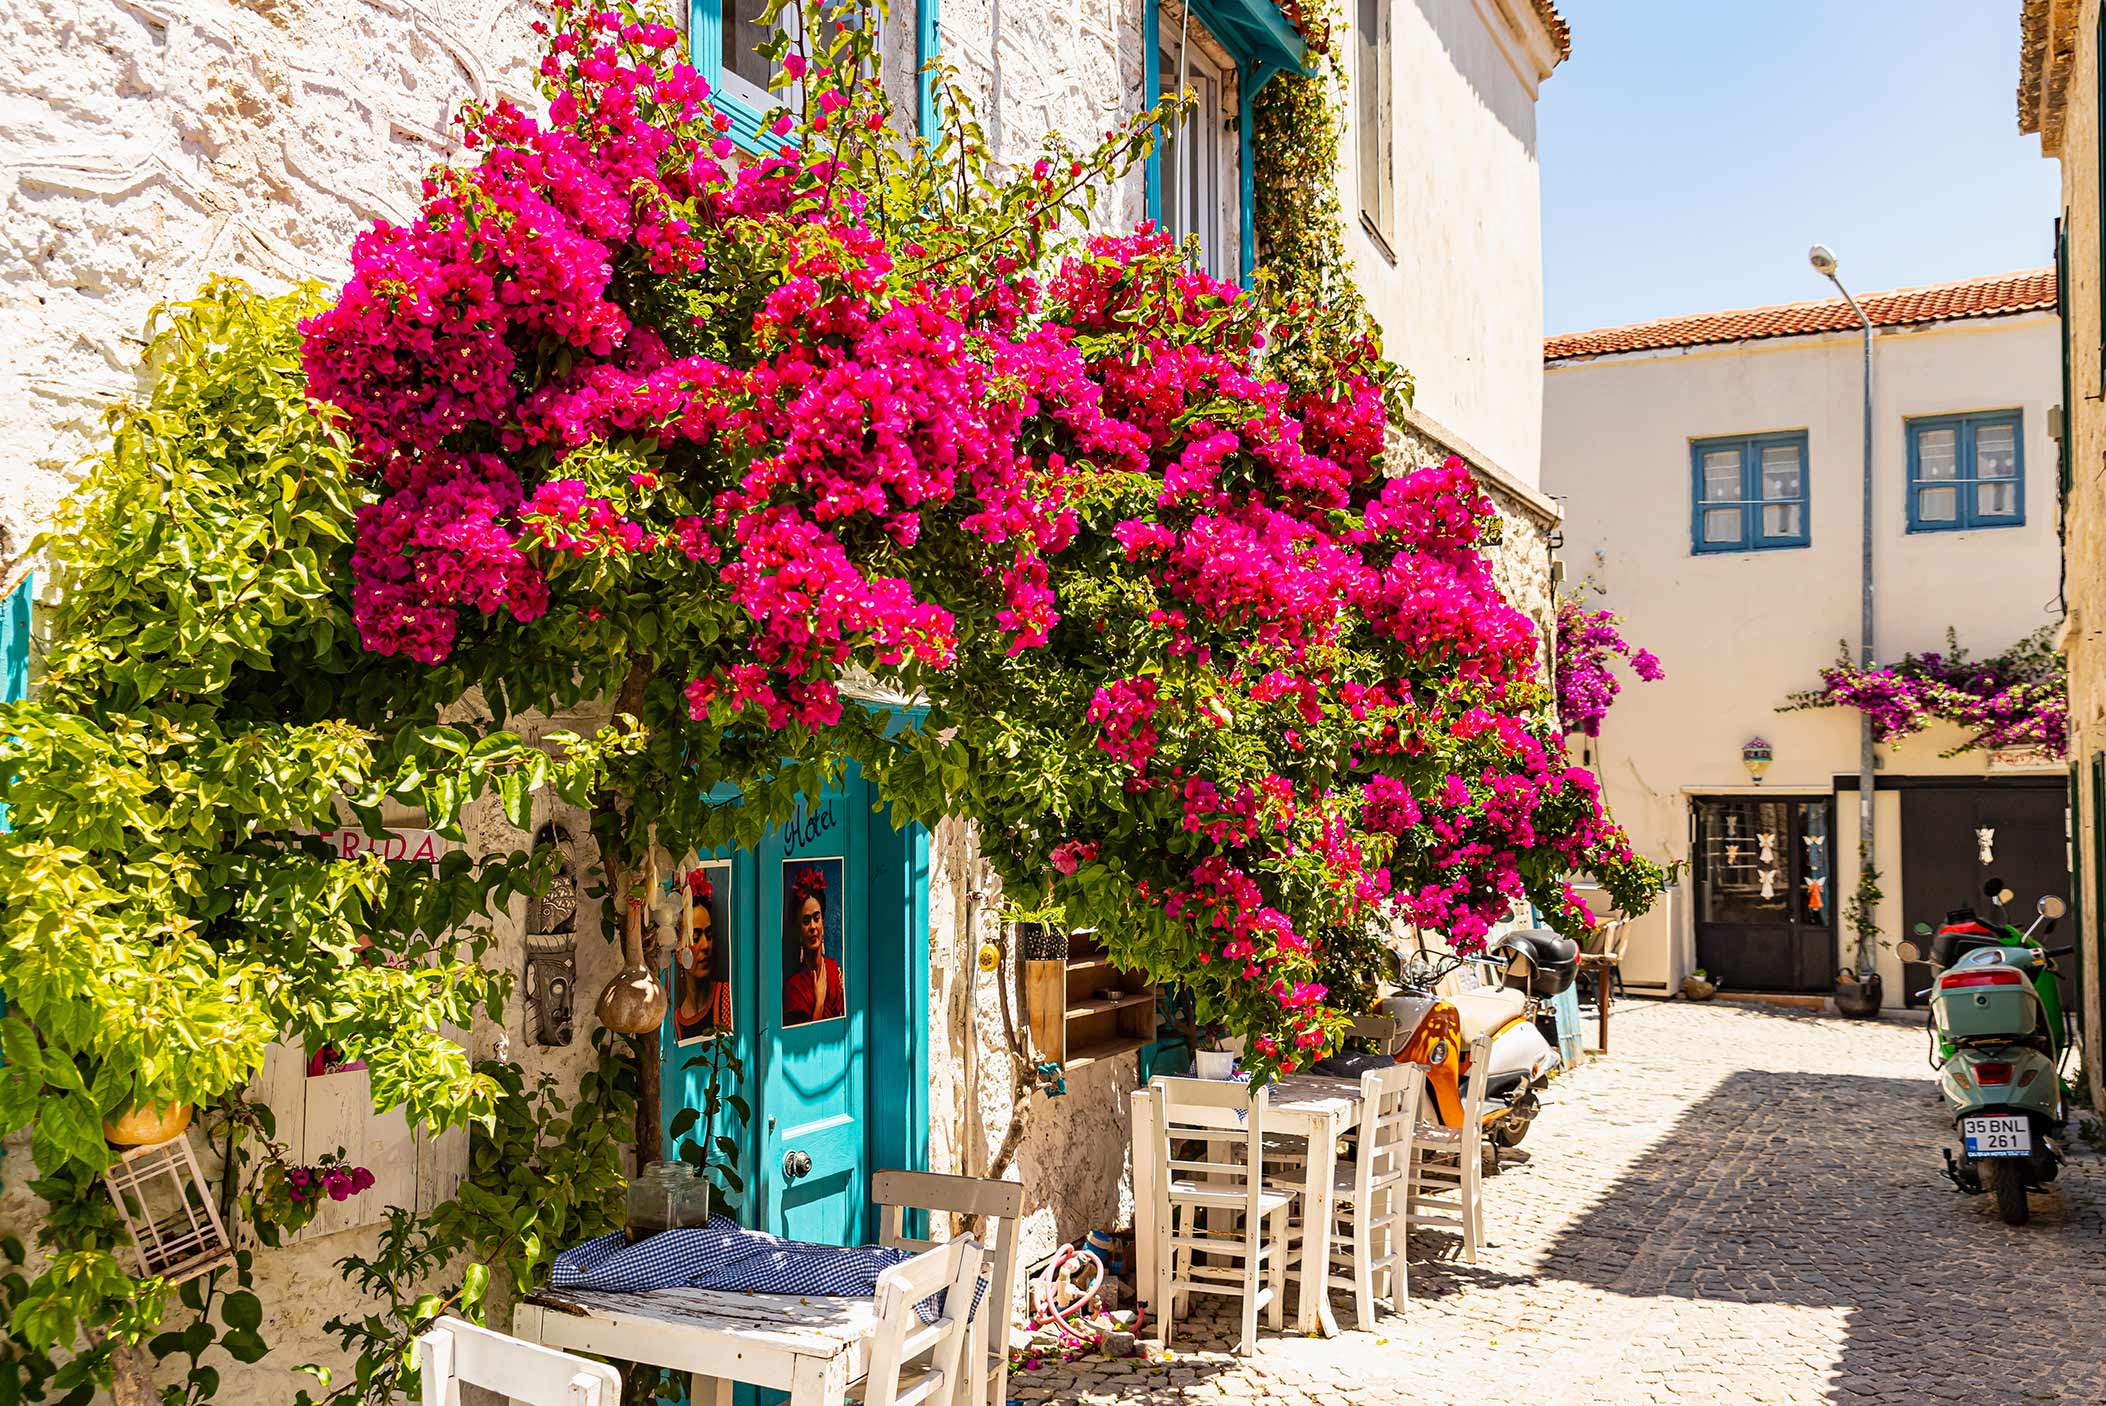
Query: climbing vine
(2016, 699)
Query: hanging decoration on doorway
(1732, 853)
(1769, 882)
(1816, 887)
(634, 1000)
(1813, 849)
(1755, 756)
(552, 947)
(1768, 841)
(1985, 842)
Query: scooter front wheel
(2007, 1178)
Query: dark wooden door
(1765, 901)
(1955, 838)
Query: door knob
(796, 1164)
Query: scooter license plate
(1997, 1137)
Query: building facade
(151, 145)
(1712, 470)
(2061, 102)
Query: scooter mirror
(1909, 951)
(2052, 906)
(2005, 896)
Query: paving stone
(1738, 1205)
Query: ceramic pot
(634, 1001)
(1858, 996)
(1695, 988)
(145, 1127)
(1214, 1064)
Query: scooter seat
(1486, 1009)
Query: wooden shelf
(1072, 1025)
(1107, 1049)
(1142, 998)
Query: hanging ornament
(1814, 887)
(1985, 841)
(1732, 824)
(1769, 882)
(1732, 854)
(1813, 848)
(634, 1000)
(1768, 839)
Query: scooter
(1997, 1041)
(1529, 967)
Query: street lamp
(1824, 263)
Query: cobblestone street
(1741, 1204)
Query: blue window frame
(1967, 472)
(1748, 493)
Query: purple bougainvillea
(1587, 684)
(2019, 698)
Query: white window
(745, 73)
(1191, 158)
(1376, 152)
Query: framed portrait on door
(699, 976)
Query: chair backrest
(1619, 934)
(453, 1352)
(995, 1210)
(1389, 1111)
(1385, 1032)
(917, 1363)
(1220, 1114)
(1473, 1099)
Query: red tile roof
(1560, 31)
(1997, 295)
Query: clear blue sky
(1692, 149)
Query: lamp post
(1824, 263)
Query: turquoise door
(824, 985)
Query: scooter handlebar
(2059, 951)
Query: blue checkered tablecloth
(726, 1255)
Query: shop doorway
(1955, 836)
(814, 976)
(1765, 902)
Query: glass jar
(666, 1196)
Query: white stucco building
(149, 144)
(1711, 471)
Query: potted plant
(1697, 986)
(1858, 990)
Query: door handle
(796, 1164)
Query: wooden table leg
(1141, 1116)
(1601, 1000)
(819, 1381)
(1319, 1209)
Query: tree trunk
(132, 1377)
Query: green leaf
(242, 1309)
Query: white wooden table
(810, 1346)
(1315, 1107)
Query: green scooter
(1998, 1038)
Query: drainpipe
(1824, 263)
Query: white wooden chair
(1367, 1243)
(453, 1353)
(997, 1206)
(1447, 1165)
(916, 1363)
(1226, 1119)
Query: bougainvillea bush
(2017, 699)
(1588, 643)
(721, 437)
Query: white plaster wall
(1460, 298)
(147, 143)
(1039, 68)
(1737, 632)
